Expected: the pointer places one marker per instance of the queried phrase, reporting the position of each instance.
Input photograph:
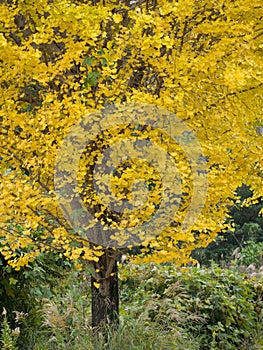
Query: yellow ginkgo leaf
(97, 285)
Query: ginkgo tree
(196, 65)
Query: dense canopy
(63, 60)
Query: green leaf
(88, 61)
(104, 61)
(92, 78)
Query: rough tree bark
(105, 298)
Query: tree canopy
(65, 60)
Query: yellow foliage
(62, 60)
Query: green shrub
(161, 307)
(252, 253)
(221, 308)
(248, 227)
(21, 291)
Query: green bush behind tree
(248, 233)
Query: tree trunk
(104, 290)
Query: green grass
(131, 335)
(161, 308)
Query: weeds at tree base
(161, 308)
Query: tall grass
(161, 309)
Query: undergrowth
(161, 308)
